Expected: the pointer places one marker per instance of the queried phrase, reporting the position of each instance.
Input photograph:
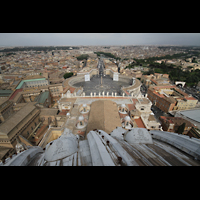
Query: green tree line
(38, 48)
(176, 73)
(68, 75)
(110, 55)
(82, 57)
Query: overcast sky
(40, 39)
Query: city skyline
(76, 39)
(72, 104)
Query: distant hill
(38, 48)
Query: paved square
(108, 85)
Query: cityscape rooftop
(99, 105)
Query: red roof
(131, 106)
(134, 101)
(15, 93)
(127, 92)
(122, 115)
(190, 98)
(163, 87)
(163, 117)
(72, 89)
(154, 81)
(139, 123)
(63, 112)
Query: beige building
(144, 106)
(134, 89)
(51, 134)
(143, 112)
(29, 94)
(155, 80)
(56, 90)
(21, 123)
(5, 109)
(185, 103)
(48, 115)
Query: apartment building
(56, 90)
(169, 98)
(155, 80)
(171, 124)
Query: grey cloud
(23, 39)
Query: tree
(189, 67)
(194, 60)
(181, 128)
(67, 75)
(151, 71)
(82, 57)
(107, 54)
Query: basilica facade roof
(104, 116)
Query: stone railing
(99, 94)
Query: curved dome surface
(118, 132)
(127, 118)
(138, 135)
(80, 118)
(64, 146)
